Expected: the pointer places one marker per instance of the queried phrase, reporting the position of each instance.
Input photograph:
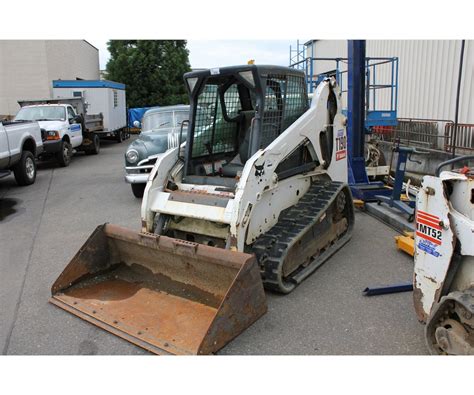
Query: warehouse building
(425, 74)
(28, 67)
(427, 77)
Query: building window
(115, 98)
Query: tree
(152, 70)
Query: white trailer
(101, 97)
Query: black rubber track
(294, 223)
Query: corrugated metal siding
(428, 74)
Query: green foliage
(152, 70)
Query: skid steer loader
(255, 196)
(444, 259)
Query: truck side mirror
(136, 124)
(78, 119)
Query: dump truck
(443, 283)
(256, 197)
(65, 126)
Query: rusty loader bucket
(166, 295)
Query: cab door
(75, 128)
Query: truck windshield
(41, 113)
(180, 117)
(157, 121)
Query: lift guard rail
(434, 134)
(464, 137)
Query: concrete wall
(23, 71)
(27, 68)
(71, 59)
(416, 171)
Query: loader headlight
(132, 156)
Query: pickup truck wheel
(119, 136)
(95, 146)
(65, 154)
(138, 190)
(25, 169)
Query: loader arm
(259, 177)
(156, 184)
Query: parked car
(161, 128)
(20, 144)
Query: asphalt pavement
(43, 225)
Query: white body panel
(191, 210)
(12, 138)
(435, 245)
(254, 210)
(156, 184)
(100, 100)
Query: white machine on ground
(253, 163)
(444, 259)
(256, 196)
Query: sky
(219, 53)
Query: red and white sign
(340, 155)
(341, 144)
(428, 227)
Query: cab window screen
(212, 133)
(285, 102)
(273, 109)
(296, 102)
(232, 101)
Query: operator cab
(235, 111)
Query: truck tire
(25, 169)
(138, 190)
(119, 136)
(65, 154)
(95, 146)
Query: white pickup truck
(62, 130)
(20, 144)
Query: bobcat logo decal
(259, 170)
